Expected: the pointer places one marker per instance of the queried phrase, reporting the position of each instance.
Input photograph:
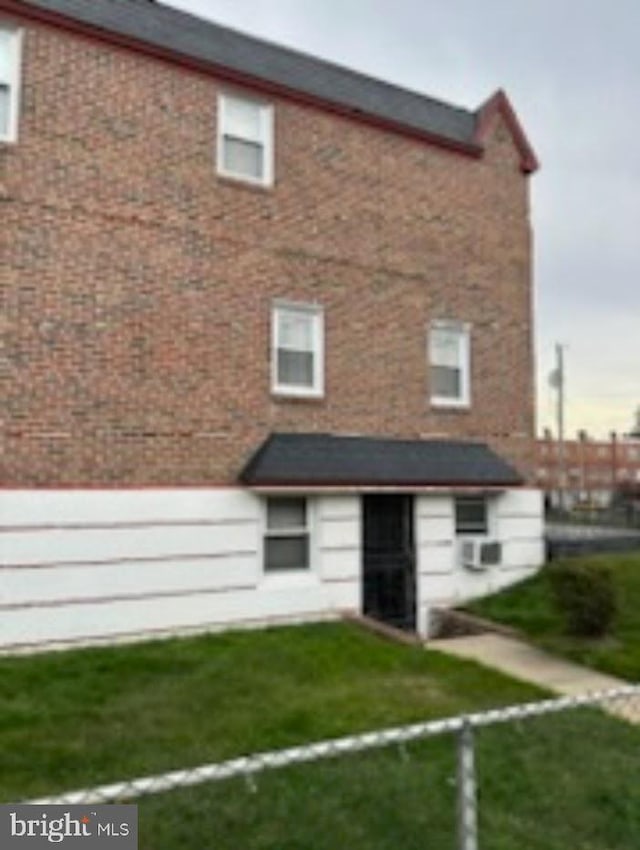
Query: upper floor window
(9, 83)
(449, 364)
(298, 350)
(245, 139)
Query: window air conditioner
(478, 555)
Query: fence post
(467, 799)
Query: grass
(529, 607)
(81, 718)
(73, 719)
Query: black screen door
(389, 559)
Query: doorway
(389, 563)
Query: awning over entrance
(324, 460)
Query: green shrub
(584, 592)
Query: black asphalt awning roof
(323, 460)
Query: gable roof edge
(499, 104)
(467, 147)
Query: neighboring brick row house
(588, 472)
(267, 329)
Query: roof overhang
(324, 462)
(84, 19)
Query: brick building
(589, 472)
(225, 262)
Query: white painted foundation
(83, 567)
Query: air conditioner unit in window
(478, 555)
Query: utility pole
(559, 384)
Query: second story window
(449, 364)
(297, 350)
(245, 139)
(9, 83)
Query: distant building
(594, 470)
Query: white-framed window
(472, 515)
(245, 148)
(297, 345)
(10, 49)
(287, 534)
(450, 364)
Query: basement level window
(10, 49)
(286, 544)
(471, 515)
(245, 139)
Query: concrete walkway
(523, 661)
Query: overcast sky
(572, 71)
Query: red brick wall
(589, 465)
(138, 284)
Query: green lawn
(81, 718)
(529, 608)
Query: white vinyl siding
(245, 139)
(10, 48)
(298, 350)
(449, 364)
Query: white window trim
(13, 82)
(491, 507)
(317, 313)
(304, 575)
(464, 328)
(268, 130)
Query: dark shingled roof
(326, 460)
(181, 33)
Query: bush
(584, 592)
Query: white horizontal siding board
(93, 621)
(91, 507)
(435, 587)
(122, 543)
(434, 529)
(434, 505)
(345, 596)
(339, 534)
(436, 559)
(339, 507)
(77, 622)
(22, 586)
(471, 584)
(340, 564)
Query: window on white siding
(298, 350)
(9, 83)
(449, 364)
(472, 516)
(245, 139)
(286, 544)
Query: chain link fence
(539, 776)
